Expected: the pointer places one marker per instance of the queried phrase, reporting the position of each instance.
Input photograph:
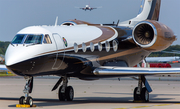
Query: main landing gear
(65, 92)
(142, 94)
(27, 90)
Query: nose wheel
(28, 100)
(27, 90)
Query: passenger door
(60, 51)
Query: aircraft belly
(85, 62)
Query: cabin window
(68, 24)
(47, 39)
(18, 39)
(35, 39)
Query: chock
(24, 106)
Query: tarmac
(99, 94)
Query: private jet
(90, 51)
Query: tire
(69, 93)
(136, 96)
(61, 96)
(29, 101)
(145, 94)
(21, 100)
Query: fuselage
(76, 48)
(71, 50)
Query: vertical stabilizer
(155, 10)
(149, 10)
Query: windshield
(35, 39)
(18, 39)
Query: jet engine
(152, 35)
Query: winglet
(56, 21)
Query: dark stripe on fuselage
(152, 11)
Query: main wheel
(21, 100)
(145, 94)
(69, 93)
(136, 96)
(29, 101)
(61, 95)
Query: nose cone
(19, 59)
(13, 55)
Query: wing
(131, 71)
(3, 68)
(82, 8)
(93, 8)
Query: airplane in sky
(90, 51)
(87, 7)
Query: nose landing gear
(27, 90)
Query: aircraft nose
(12, 56)
(17, 62)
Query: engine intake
(152, 35)
(144, 34)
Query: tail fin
(155, 10)
(149, 10)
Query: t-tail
(149, 10)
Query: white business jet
(90, 51)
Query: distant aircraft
(87, 7)
(162, 59)
(90, 51)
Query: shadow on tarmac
(154, 99)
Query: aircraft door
(60, 51)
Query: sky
(18, 14)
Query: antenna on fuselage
(56, 21)
(117, 23)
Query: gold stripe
(123, 53)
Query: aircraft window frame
(22, 40)
(47, 40)
(34, 35)
(68, 23)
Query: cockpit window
(35, 39)
(18, 39)
(47, 39)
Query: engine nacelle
(152, 35)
